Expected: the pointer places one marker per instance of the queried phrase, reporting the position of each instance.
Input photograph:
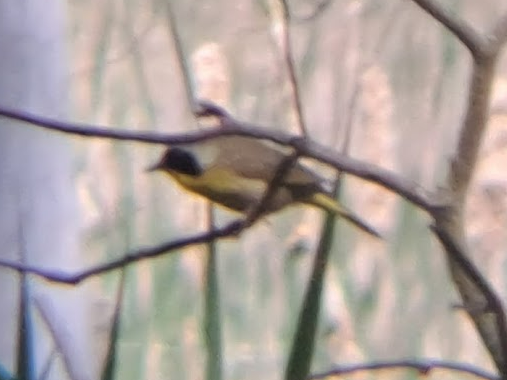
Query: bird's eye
(182, 161)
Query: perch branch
(388, 179)
(232, 229)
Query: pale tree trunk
(39, 215)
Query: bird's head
(178, 160)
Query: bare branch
(85, 130)
(422, 366)
(388, 179)
(474, 127)
(232, 229)
(461, 29)
(481, 302)
(479, 299)
(281, 171)
(180, 54)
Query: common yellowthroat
(234, 171)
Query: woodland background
(384, 69)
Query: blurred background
(383, 69)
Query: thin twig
(422, 366)
(289, 62)
(408, 189)
(137, 61)
(488, 303)
(232, 229)
(180, 54)
(460, 28)
(279, 174)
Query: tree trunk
(38, 218)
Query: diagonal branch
(180, 53)
(279, 174)
(473, 129)
(480, 300)
(460, 28)
(289, 63)
(422, 366)
(232, 229)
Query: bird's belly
(236, 193)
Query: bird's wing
(257, 159)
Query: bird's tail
(329, 204)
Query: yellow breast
(224, 187)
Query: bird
(234, 171)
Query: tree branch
(388, 179)
(480, 300)
(291, 69)
(461, 29)
(422, 366)
(274, 183)
(474, 127)
(232, 229)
